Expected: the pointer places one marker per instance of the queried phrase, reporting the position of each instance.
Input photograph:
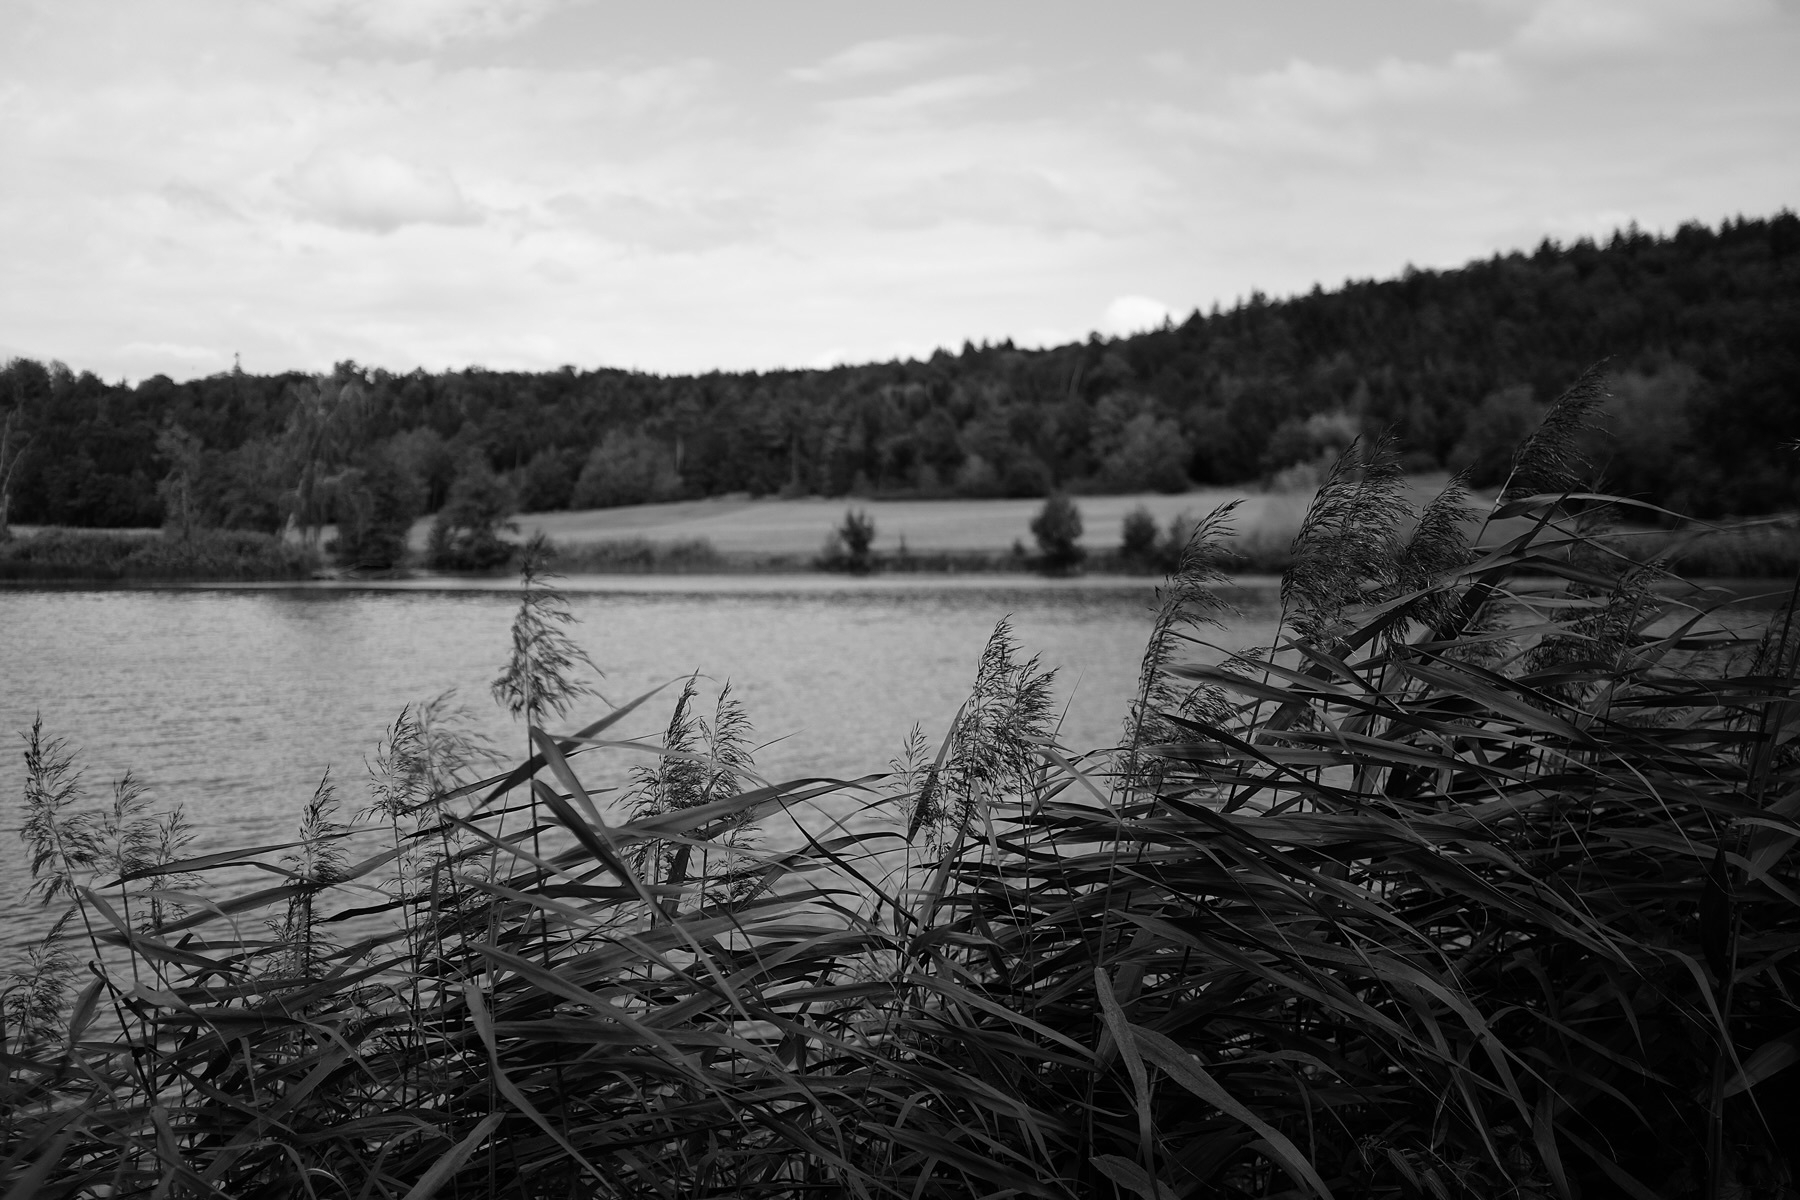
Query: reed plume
(1348, 549)
(1187, 602)
(1550, 461)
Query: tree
(1137, 541)
(466, 534)
(1499, 423)
(374, 505)
(627, 467)
(244, 488)
(431, 462)
(323, 426)
(1057, 527)
(847, 546)
(177, 489)
(13, 441)
(546, 482)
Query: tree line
(1700, 330)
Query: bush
(1056, 528)
(465, 536)
(847, 546)
(1137, 541)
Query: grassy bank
(84, 554)
(1263, 544)
(1467, 887)
(923, 527)
(1763, 549)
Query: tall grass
(1479, 882)
(63, 554)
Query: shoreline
(1758, 590)
(627, 582)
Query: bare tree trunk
(12, 448)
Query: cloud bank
(526, 183)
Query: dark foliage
(1137, 539)
(69, 554)
(1057, 530)
(465, 535)
(1699, 328)
(848, 547)
(374, 506)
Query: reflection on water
(235, 701)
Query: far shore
(768, 526)
(926, 540)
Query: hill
(1700, 331)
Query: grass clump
(71, 554)
(633, 556)
(1765, 549)
(1479, 881)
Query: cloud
(926, 97)
(1302, 85)
(187, 356)
(433, 22)
(1134, 314)
(1580, 27)
(214, 173)
(682, 225)
(199, 201)
(1329, 112)
(883, 56)
(377, 193)
(1004, 195)
(1171, 64)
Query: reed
(66, 554)
(1479, 882)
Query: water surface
(234, 701)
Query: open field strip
(771, 526)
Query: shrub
(71, 554)
(465, 535)
(1137, 540)
(638, 556)
(1056, 528)
(847, 546)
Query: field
(745, 527)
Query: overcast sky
(682, 186)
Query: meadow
(797, 527)
(1478, 882)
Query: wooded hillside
(1701, 330)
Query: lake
(234, 700)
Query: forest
(1699, 331)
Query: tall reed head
(542, 675)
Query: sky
(693, 185)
